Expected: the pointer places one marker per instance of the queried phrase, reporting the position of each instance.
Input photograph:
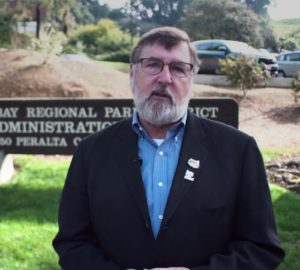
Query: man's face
(162, 98)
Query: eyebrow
(173, 61)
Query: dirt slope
(24, 74)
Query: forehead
(179, 52)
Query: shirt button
(176, 138)
(160, 184)
(161, 153)
(160, 217)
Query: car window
(214, 46)
(293, 57)
(203, 46)
(211, 46)
(220, 47)
(280, 57)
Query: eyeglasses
(154, 66)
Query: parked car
(288, 64)
(211, 51)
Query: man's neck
(154, 131)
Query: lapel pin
(194, 163)
(189, 175)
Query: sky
(279, 10)
(284, 9)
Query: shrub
(86, 35)
(104, 38)
(118, 56)
(7, 27)
(243, 72)
(296, 87)
(50, 42)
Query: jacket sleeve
(255, 244)
(76, 242)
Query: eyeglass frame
(193, 67)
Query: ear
(131, 70)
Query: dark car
(211, 51)
(288, 64)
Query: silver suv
(288, 64)
(211, 51)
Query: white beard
(159, 112)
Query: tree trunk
(38, 20)
(65, 22)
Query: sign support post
(7, 169)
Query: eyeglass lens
(153, 66)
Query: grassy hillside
(283, 28)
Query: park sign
(56, 126)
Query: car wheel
(281, 74)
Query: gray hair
(166, 36)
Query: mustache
(162, 91)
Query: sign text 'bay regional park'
(55, 126)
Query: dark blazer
(221, 220)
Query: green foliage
(269, 153)
(104, 38)
(81, 13)
(118, 56)
(223, 19)
(284, 27)
(287, 32)
(269, 39)
(50, 42)
(167, 12)
(8, 25)
(296, 87)
(243, 72)
(258, 6)
(87, 35)
(28, 210)
(286, 209)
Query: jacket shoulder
(105, 137)
(215, 127)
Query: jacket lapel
(128, 161)
(193, 147)
(187, 173)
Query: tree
(269, 40)
(145, 14)
(295, 84)
(53, 11)
(163, 12)
(7, 23)
(32, 9)
(95, 10)
(59, 12)
(223, 19)
(81, 13)
(258, 6)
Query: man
(165, 189)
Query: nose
(165, 76)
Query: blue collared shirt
(159, 162)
